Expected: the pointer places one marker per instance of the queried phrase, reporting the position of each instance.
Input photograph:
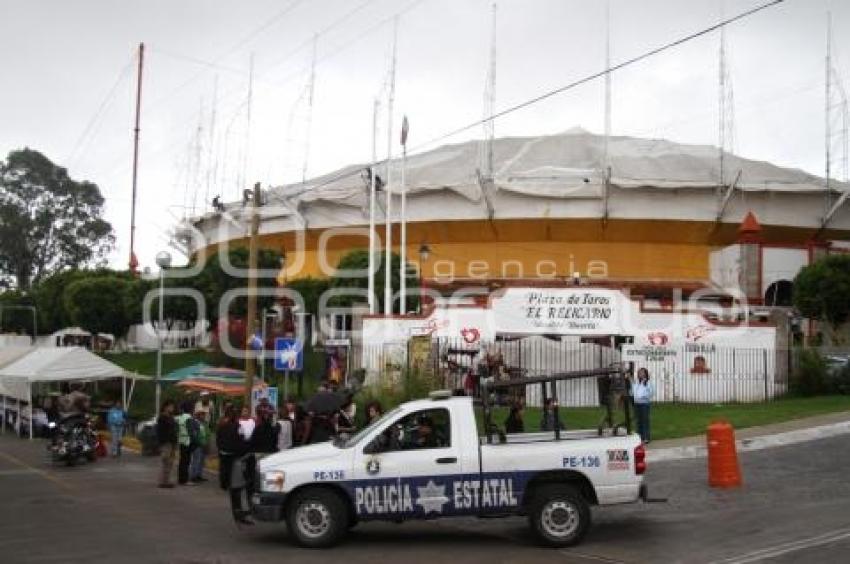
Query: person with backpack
(116, 419)
(184, 442)
(200, 440)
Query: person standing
(231, 448)
(373, 412)
(166, 435)
(199, 449)
(345, 416)
(184, 441)
(550, 420)
(285, 428)
(642, 392)
(116, 418)
(514, 422)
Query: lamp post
(163, 260)
(424, 253)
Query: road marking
(586, 556)
(785, 548)
(42, 473)
(21, 472)
(755, 443)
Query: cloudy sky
(69, 84)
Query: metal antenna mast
(388, 284)
(211, 163)
(134, 263)
(247, 148)
(606, 162)
(490, 105)
(311, 86)
(196, 159)
(726, 109)
(828, 102)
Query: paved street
(794, 507)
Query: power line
(594, 76)
(589, 78)
(245, 39)
(104, 103)
(237, 90)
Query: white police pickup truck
(424, 459)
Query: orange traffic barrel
(723, 468)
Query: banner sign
(560, 311)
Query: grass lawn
(670, 421)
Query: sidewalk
(756, 438)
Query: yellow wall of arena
(545, 248)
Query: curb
(755, 443)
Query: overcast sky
(69, 84)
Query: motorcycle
(73, 438)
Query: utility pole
(134, 262)
(250, 326)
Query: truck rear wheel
(559, 515)
(317, 518)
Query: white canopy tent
(23, 367)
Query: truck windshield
(353, 440)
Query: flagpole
(388, 282)
(402, 270)
(372, 196)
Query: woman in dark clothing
(514, 423)
(264, 437)
(231, 448)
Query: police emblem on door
(373, 466)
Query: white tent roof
(52, 364)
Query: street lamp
(424, 253)
(163, 260)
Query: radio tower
(835, 128)
(606, 161)
(311, 89)
(726, 109)
(486, 156)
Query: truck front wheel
(317, 517)
(559, 515)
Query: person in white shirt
(246, 424)
(286, 426)
(642, 392)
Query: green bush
(411, 385)
(838, 381)
(810, 378)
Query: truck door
(408, 471)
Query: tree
(822, 291)
(49, 296)
(311, 290)
(97, 305)
(214, 281)
(15, 317)
(48, 222)
(359, 260)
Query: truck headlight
(273, 481)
